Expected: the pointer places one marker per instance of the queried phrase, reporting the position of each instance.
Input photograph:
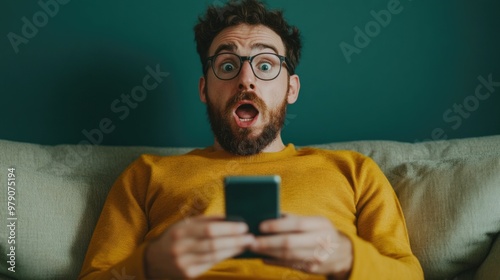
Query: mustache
(246, 95)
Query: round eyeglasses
(265, 66)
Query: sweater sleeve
(381, 247)
(116, 250)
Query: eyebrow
(265, 46)
(226, 47)
(231, 47)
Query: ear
(294, 88)
(202, 89)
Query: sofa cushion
(451, 209)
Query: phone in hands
(252, 199)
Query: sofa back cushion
(451, 209)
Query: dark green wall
(408, 82)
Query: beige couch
(449, 191)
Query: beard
(242, 141)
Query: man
(164, 217)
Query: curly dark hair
(252, 12)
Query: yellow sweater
(346, 187)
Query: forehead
(245, 38)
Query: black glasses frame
(250, 59)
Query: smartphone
(252, 199)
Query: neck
(274, 147)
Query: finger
(196, 264)
(203, 228)
(286, 246)
(191, 264)
(215, 257)
(288, 241)
(297, 246)
(293, 223)
(287, 255)
(191, 221)
(222, 243)
(196, 270)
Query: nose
(246, 78)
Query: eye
(265, 67)
(227, 67)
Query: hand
(191, 247)
(310, 244)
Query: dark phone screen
(252, 199)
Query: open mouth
(246, 114)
